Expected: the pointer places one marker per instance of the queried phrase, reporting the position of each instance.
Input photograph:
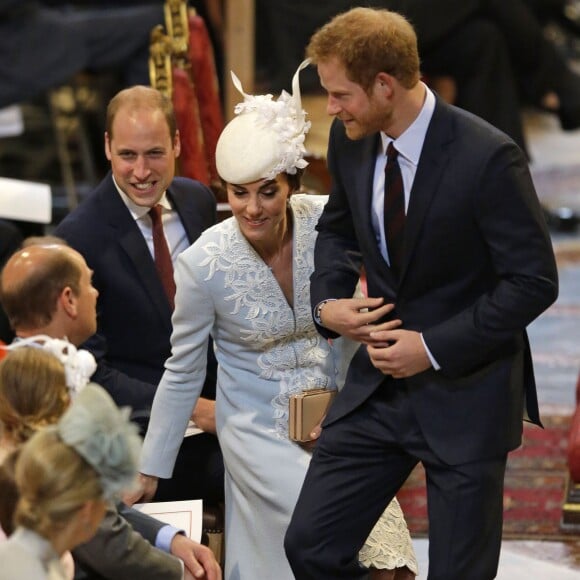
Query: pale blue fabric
(165, 536)
(103, 435)
(266, 351)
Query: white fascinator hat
(265, 138)
(79, 364)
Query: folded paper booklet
(25, 201)
(11, 121)
(306, 410)
(183, 515)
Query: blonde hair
(368, 41)
(54, 482)
(33, 392)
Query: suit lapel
(364, 162)
(187, 211)
(365, 172)
(432, 163)
(132, 243)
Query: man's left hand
(199, 560)
(399, 353)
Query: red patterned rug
(534, 485)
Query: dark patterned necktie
(394, 209)
(163, 261)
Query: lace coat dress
(266, 351)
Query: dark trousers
(359, 464)
(198, 473)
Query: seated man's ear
(68, 302)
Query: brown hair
(9, 495)
(295, 180)
(368, 41)
(31, 303)
(33, 392)
(141, 97)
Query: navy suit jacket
(478, 268)
(134, 316)
(10, 240)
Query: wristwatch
(318, 310)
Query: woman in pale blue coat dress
(245, 281)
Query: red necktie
(163, 261)
(394, 209)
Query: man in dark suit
(453, 242)
(112, 229)
(46, 291)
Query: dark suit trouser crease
(359, 464)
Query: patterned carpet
(534, 485)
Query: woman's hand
(314, 435)
(204, 415)
(146, 489)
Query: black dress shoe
(561, 219)
(569, 118)
(566, 219)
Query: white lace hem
(389, 544)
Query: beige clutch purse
(306, 411)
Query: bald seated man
(46, 289)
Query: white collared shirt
(409, 145)
(177, 241)
(172, 226)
